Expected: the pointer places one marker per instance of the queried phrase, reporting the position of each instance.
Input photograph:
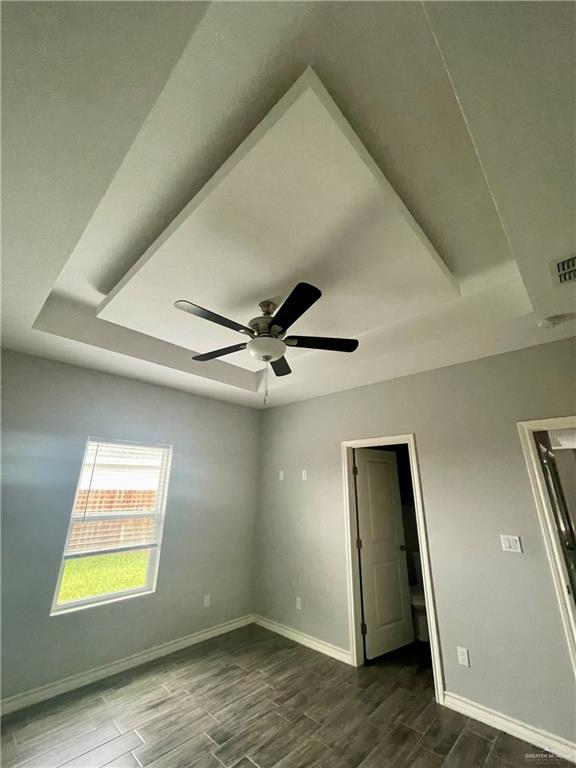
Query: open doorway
(391, 599)
(550, 450)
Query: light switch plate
(304, 474)
(463, 656)
(298, 603)
(281, 475)
(511, 543)
(207, 601)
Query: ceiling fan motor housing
(266, 348)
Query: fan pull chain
(266, 383)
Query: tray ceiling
(165, 153)
(300, 199)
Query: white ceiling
(299, 199)
(440, 151)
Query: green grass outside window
(102, 575)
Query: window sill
(95, 602)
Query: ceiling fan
(267, 332)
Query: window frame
(149, 588)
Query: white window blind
(119, 507)
(120, 498)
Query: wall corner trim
(303, 639)
(44, 692)
(547, 741)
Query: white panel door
(385, 590)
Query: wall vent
(565, 271)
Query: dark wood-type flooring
(252, 699)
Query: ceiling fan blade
(281, 367)
(322, 342)
(219, 353)
(206, 314)
(300, 300)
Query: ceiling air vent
(564, 271)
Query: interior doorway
(550, 451)
(391, 598)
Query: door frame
(547, 522)
(352, 566)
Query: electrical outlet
(298, 603)
(463, 656)
(511, 543)
(207, 601)
(281, 475)
(304, 474)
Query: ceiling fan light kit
(266, 348)
(267, 331)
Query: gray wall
(475, 486)
(49, 409)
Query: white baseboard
(300, 637)
(547, 741)
(45, 692)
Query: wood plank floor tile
(244, 709)
(329, 705)
(107, 752)
(422, 714)
(514, 751)
(199, 685)
(306, 754)
(181, 716)
(127, 718)
(469, 751)
(394, 747)
(9, 752)
(229, 692)
(228, 724)
(172, 737)
(442, 734)
(420, 757)
(125, 761)
(52, 739)
(355, 743)
(272, 751)
(187, 754)
(481, 729)
(393, 708)
(250, 739)
(345, 720)
(72, 748)
(62, 717)
(252, 699)
(493, 761)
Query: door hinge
(354, 470)
(363, 628)
(358, 543)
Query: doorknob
(402, 548)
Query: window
(113, 542)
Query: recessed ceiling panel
(300, 199)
